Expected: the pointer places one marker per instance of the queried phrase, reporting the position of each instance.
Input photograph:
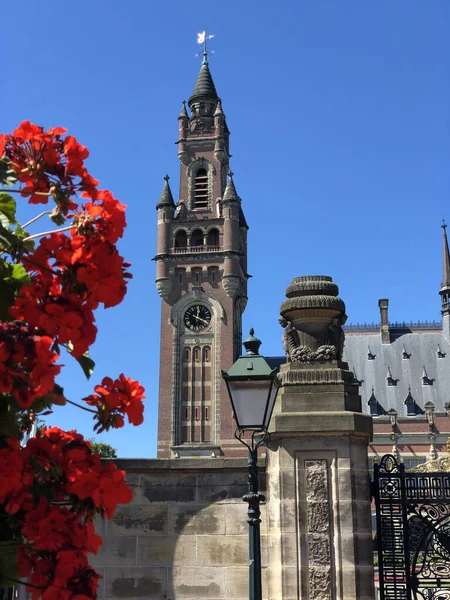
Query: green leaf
(7, 175)
(87, 364)
(85, 361)
(21, 234)
(8, 566)
(9, 423)
(19, 274)
(8, 207)
(7, 290)
(7, 238)
(7, 297)
(12, 278)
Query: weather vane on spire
(202, 38)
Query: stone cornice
(133, 465)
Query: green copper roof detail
(166, 198)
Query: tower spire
(445, 258)
(204, 98)
(445, 286)
(204, 88)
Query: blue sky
(339, 119)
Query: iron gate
(413, 532)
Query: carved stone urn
(312, 317)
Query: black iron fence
(413, 532)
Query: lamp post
(253, 387)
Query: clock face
(197, 317)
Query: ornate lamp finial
(252, 344)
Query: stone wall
(185, 534)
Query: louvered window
(201, 189)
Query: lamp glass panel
(272, 398)
(249, 400)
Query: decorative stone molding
(314, 376)
(312, 302)
(231, 285)
(243, 302)
(312, 318)
(312, 285)
(164, 288)
(318, 534)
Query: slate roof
(405, 358)
(204, 86)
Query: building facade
(185, 534)
(403, 370)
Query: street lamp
(253, 387)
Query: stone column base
(319, 507)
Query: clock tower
(201, 277)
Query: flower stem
(18, 582)
(32, 262)
(9, 191)
(46, 212)
(36, 235)
(82, 407)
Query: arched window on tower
(212, 241)
(197, 238)
(201, 189)
(213, 275)
(206, 354)
(180, 239)
(196, 275)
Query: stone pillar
(317, 471)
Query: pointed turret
(204, 86)
(230, 194)
(183, 113)
(445, 286)
(183, 128)
(219, 112)
(166, 198)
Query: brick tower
(201, 276)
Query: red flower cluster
(52, 489)
(27, 368)
(70, 275)
(116, 398)
(47, 165)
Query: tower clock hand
(202, 320)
